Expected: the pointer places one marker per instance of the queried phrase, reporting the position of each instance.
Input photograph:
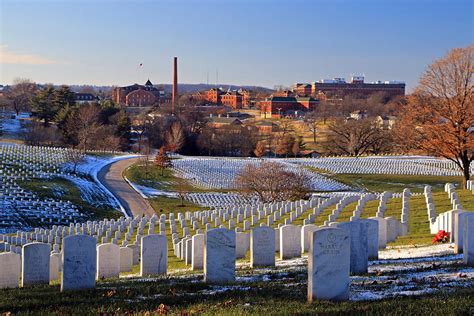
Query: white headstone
(35, 264)
(197, 261)
(290, 241)
(242, 244)
(329, 264)
(10, 264)
(108, 261)
(306, 235)
(372, 238)
(359, 246)
(54, 261)
(126, 259)
(262, 246)
(219, 256)
(79, 262)
(154, 255)
(188, 251)
(136, 253)
(468, 240)
(382, 231)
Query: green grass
(165, 205)
(179, 296)
(59, 188)
(395, 183)
(418, 225)
(153, 177)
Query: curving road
(111, 177)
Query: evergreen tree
(163, 161)
(44, 106)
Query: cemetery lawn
(152, 177)
(395, 183)
(165, 205)
(66, 190)
(190, 296)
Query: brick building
(138, 95)
(237, 99)
(233, 99)
(338, 87)
(302, 89)
(275, 106)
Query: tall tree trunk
(466, 171)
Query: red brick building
(302, 89)
(275, 106)
(338, 87)
(214, 95)
(138, 95)
(235, 99)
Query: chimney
(175, 85)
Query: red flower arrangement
(441, 236)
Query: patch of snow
(417, 252)
(92, 167)
(147, 192)
(13, 124)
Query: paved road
(111, 177)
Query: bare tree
(85, 123)
(19, 95)
(261, 148)
(75, 157)
(312, 125)
(181, 188)
(145, 150)
(270, 181)
(285, 127)
(353, 137)
(36, 134)
(175, 137)
(439, 116)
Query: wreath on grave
(441, 237)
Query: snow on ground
(147, 192)
(386, 278)
(91, 167)
(14, 124)
(403, 252)
(93, 164)
(92, 193)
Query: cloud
(9, 57)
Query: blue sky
(259, 42)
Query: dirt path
(111, 177)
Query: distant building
(265, 127)
(232, 99)
(139, 95)
(358, 115)
(302, 89)
(386, 121)
(275, 106)
(237, 99)
(338, 87)
(221, 121)
(85, 97)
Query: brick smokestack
(175, 85)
